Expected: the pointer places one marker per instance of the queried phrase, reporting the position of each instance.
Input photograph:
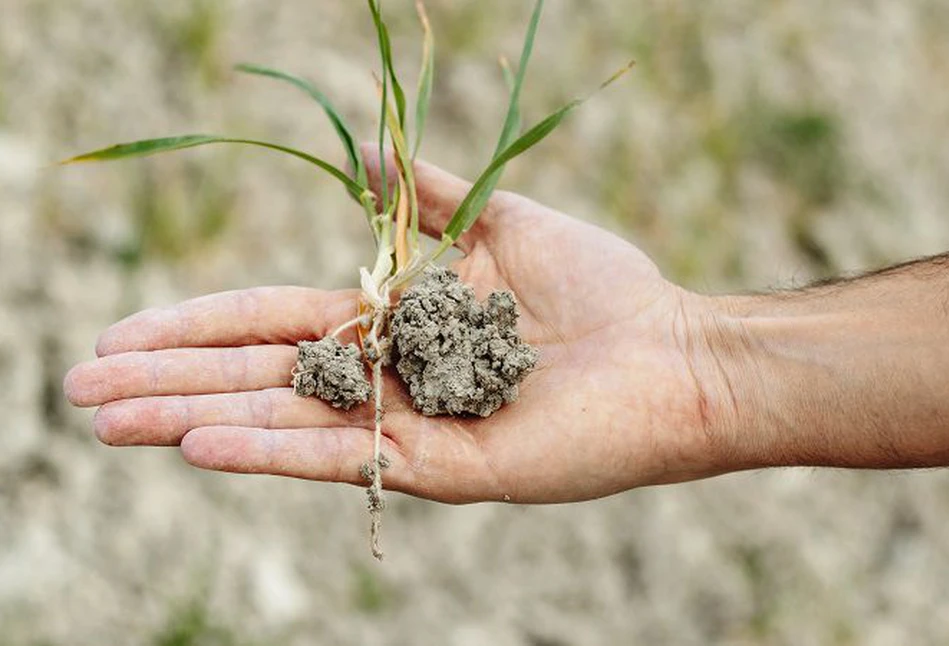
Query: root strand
(375, 493)
(359, 321)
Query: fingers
(325, 454)
(187, 371)
(247, 317)
(439, 194)
(164, 421)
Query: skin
(848, 373)
(640, 381)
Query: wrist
(718, 351)
(783, 384)
(827, 380)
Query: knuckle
(249, 305)
(261, 409)
(235, 364)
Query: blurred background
(759, 143)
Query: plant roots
(457, 356)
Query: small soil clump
(456, 355)
(331, 371)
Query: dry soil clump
(456, 355)
(331, 371)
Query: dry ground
(760, 142)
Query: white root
(376, 499)
(376, 296)
(375, 491)
(359, 321)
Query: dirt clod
(456, 355)
(332, 372)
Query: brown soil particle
(456, 355)
(332, 372)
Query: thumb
(439, 194)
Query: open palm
(615, 401)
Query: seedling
(474, 377)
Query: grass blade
(385, 48)
(383, 166)
(513, 119)
(168, 144)
(511, 84)
(342, 128)
(426, 78)
(479, 195)
(507, 72)
(469, 210)
(477, 198)
(383, 170)
(472, 206)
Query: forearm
(849, 374)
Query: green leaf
(513, 119)
(426, 78)
(342, 128)
(472, 206)
(383, 170)
(385, 48)
(507, 72)
(477, 199)
(511, 84)
(168, 144)
(469, 210)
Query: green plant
(393, 216)
(190, 624)
(370, 595)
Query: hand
(617, 401)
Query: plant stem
(368, 201)
(383, 266)
(402, 227)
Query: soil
(332, 372)
(459, 356)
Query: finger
(163, 421)
(439, 195)
(325, 454)
(187, 371)
(246, 317)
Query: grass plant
(393, 215)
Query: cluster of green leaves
(400, 209)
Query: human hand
(622, 396)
